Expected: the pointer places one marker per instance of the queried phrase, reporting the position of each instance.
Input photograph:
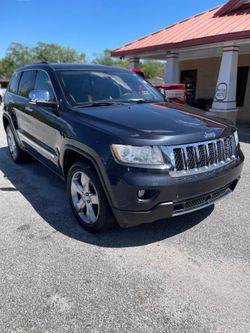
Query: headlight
(236, 137)
(150, 155)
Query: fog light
(141, 193)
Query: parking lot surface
(187, 274)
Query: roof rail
(41, 62)
(37, 63)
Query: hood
(156, 121)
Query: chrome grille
(179, 160)
(191, 158)
(202, 153)
(220, 151)
(200, 157)
(211, 153)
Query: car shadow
(47, 195)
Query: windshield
(96, 87)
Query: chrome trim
(38, 95)
(219, 159)
(207, 204)
(44, 152)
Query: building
(210, 52)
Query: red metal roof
(204, 28)
(231, 5)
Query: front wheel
(88, 199)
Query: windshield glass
(93, 87)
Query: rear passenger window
(43, 83)
(27, 83)
(13, 86)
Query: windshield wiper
(141, 100)
(113, 102)
(91, 104)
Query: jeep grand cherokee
(122, 150)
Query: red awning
(224, 23)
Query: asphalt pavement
(186, 274)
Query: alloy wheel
(85, 197)
(12, 143)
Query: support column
(224, 104)
(172, 73)
(134, 62)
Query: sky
(90, 25)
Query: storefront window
(189, 77)
(242, 78)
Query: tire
(17, 154)
(88, 200)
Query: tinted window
(93, 86)
(27, 83)
(242, 78)
(13, 86)
(189, 77)
(43, 83)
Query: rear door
(20, 107)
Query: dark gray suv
(125, 154)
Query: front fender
(95, 159)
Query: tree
(152, 69)
(106, 59)
(18, 55)
(56, 53)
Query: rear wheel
(88, 199)
(17, 154)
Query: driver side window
(43, 83)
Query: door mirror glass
(41, 97)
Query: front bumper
(172, 196)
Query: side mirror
(41, 97)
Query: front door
(46, 123)
(39, 127)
